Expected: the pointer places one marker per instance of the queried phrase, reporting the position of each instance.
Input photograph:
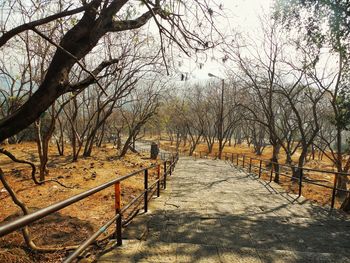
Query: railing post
(146, 191)
(237, 159)
(118, 205)
(243, 160)
(158, 177)
(200, 154)
(165, 174)
(231, 157)
(334, 189)
(260, 164)
(300, 180)
(250, 164)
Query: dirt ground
(315, 193)
(73, 224)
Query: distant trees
(75, 30)
(324, 25)
(282, 90)
(57, 54)
(80, 71)
(198, 115)
(139, 108)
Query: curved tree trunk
(297, 172)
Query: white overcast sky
(242, 16)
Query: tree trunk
(221, 148)
(60, 140)
(274, 160)
(100, 141)
(342, 184)
(125, 147)
(342, 180)
(289, 160)
(345, 206)
(313, 152)
(210, 147)
(297, 171)
(74, 147)
(119, 141)
(43, 139)
(89, 143)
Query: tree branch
(90, 79)
(71, 55)
(27, 26)
(117, 26)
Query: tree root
(25, 231)
(13, 158)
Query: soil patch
(71, 225)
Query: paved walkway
(213, 212)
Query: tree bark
(274, 160)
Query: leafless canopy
(74, 29)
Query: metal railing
(304, 174)
(168, 167)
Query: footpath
(213, 212)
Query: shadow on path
(215, 213)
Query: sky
(242, 16)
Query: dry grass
(74, 223)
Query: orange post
(118, 206)
(118, 195)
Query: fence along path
(213, 212)
(150, 188)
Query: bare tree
(142, 104)
(93, 20)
